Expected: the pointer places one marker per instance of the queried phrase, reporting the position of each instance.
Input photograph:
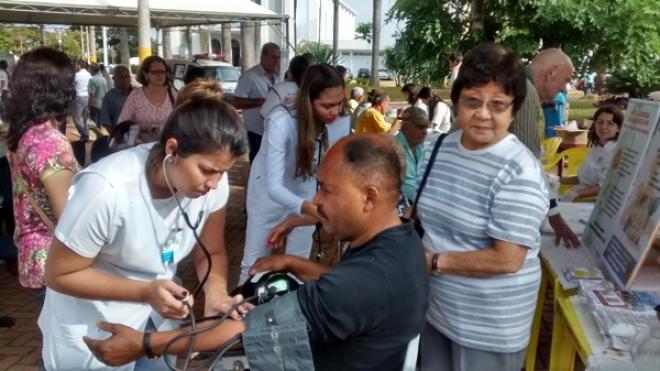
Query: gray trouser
(439, 353)
(79, 114)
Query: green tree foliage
(22, 39)
(364, 31)
(114, 40)
(321, 52)
(396, 63)
(19, 39)
(621, 36)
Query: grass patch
(581, 103)
(580, 108)
(579, 114)
(394, 92)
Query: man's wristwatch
(146, 344)
(434, 263)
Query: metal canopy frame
(163, 13)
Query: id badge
(167, 251)
(167, 255)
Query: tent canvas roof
(163, 13)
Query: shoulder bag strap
(44, 218)
(170, 95)
(427, 171)
(42, 214)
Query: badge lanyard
(172, 240)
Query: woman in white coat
(282, 181)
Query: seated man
(362, 313)
(414, 127)
(357, 96)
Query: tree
(375, 45)
(363, 31)
(114, 39)
(613, 35)
(22, 39)
(321, 52)
(401, 70)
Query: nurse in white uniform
(124, 230)
(282, 181)
(603, 135)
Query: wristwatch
(146, 344)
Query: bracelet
(146, 344)
(434, 263)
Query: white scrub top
(111, 218)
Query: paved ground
(20, 345)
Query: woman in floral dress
(40, 157)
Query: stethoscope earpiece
(178, 203)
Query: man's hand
(569, 196)
(563, 232)
(124, 346)
(222, 303)
(165, 297)
(275, 263)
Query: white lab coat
(275, 192)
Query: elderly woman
(372, 120)
(481, 210)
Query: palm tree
(363, 32)
(375, 45)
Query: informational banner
(622, 228)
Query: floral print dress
(42, 152)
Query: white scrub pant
(298, 243)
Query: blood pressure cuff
(276, 336)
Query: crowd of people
(438, 205)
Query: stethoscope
(178, 202)
(190, 225)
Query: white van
(223, 72)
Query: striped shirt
(471, 199)
(528, 125)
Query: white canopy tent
(163, 13)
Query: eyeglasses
(157, 72)
(494, 106)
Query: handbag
(413, 211)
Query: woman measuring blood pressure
(129, 220)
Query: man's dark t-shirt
(362, 314)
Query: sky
(364, 8)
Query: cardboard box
(572, 137)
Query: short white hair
(357, 92)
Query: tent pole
(144, 42)
(104, 33)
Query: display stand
(619, 235)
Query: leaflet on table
(625, 219)
(620, 315)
